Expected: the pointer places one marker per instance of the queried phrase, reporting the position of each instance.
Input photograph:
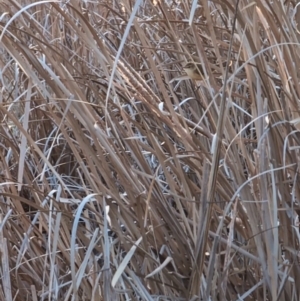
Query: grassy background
(121, 179)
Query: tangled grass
(122, 179)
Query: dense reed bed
(121, 178)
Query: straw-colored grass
(122, 179)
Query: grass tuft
(121, 178)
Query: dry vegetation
(121, 179)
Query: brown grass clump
(122, 179)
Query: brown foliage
(121, 179)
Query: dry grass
(121, 179)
